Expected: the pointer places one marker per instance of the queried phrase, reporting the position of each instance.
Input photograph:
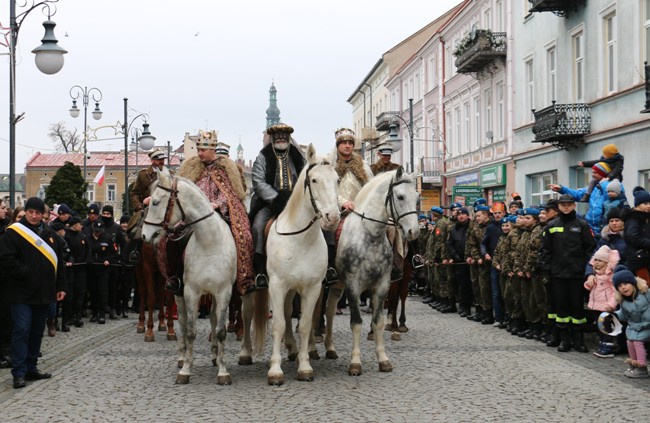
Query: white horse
(297, 262)
(210, 264)
(364, 257)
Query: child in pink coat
(602, 295)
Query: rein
(392, 221)
(173, 199)
(313, 205)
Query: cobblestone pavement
(446, 369)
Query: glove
(280, 201)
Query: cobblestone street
(446, 369)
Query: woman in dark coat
(637, 235)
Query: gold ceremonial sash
(37, 242)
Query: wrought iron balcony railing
(479, 50)
(559, 7)
(562, 125)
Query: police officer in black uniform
(115, 232)
(78, 244)
(102, 256)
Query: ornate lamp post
(49, 60)
(86, 94)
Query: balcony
(559, 7)
(369, 135)
(385, 119)
(562, 125)
(479, 50)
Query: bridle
(389, 203)
(173, 199)
(317, 212)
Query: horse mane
(373, 184)
(298, 192)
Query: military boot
(565, 340)
(553, 337)
(579, 340)
(259, 264)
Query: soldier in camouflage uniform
(537, 302)
(472, 255)
(501, 254)
(419, 275)
(451, 285)
(437, 254)
(473, 250)
(512, 295)
(524, 269)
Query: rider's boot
(259, 264)
(331, 277)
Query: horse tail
(260, 320)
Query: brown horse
(397, 294)
(151, 287)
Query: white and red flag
(99, 179)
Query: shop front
(493, 182)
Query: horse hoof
(214, 364)
(224, 380)
(396, 336)
(313, 355)
(332, 355)
(182, 379)
(162, 328)
(180, 364)
(231, 328)
(388, 327)
(306, 376)
(371, 336)
(293, 356)
(172, 337)
(245, 360)
(276, 380)
(240, 337)
(403, 329)
(140, 329)
(355, 369)
(385, 366)
(149, 338)
(319, 339)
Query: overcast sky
(204, 65)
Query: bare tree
(63, 138)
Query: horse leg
(171, 333)
(404, 291)
(277, 296)
(377, 323)
(151, 302)
(191, 300)
(289, 339)
(161, 297)
(246, 351)
(182, 324)
(218, 314)
(391, 305)
(143, 295)
(308, 302)
(335, 292)
(355, 369)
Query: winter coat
(490, 238)
(619, 202)
(567, 245)
(594, 215)
(456, 241)
(637, 239)
(636, 312)
(601, 291)
(614, 241)
(32, 277)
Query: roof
(110, 159)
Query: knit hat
(463, 210)
(614, 213)
(93, 209)
(125, 218)
(640, 196)
(57, 226)
(108, 208)
(35, 203)
(64, 209)
(602, 169)
(623, 275)
(614, 186)
(602, 253)
(609, 151)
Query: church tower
(240, 154)
(272, 113)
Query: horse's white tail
(260, 320)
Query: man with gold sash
(30, 253)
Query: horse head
(159, 204)
(401, 204)
(322, 184)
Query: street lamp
(49, 60)
(86, 94)
(146, 141)
(396, 141)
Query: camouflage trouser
(505, 293)
(452, 286)
(514, 297)
(476, 288)
(527, 298)
(440, 275)
(429, 288)
(485, 285)
(538, 299)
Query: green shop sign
(466, 195)
(492, 176)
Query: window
(501, 113)
(499, 16)
(551, 75)
(646, 30)
(417, 87)
(540, 191)
(90, 193)
(432, 73)
(448, 134)
(468, 132)
(578, 67)
(110, 193)
(530, 89)
(448, 61)
(487, 18)
(458, 131)
(610, 53)
(488, 110)
(644, 177)
(477, 123)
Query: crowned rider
(275, 172)
(223, 183)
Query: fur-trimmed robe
(354, 174)
(380, 167)
(192, 169)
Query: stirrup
(396, 274)
(331, 277)
(417, 261)
(261, 281)
(134, 257)
(174, 285)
